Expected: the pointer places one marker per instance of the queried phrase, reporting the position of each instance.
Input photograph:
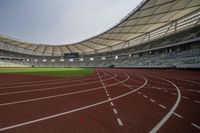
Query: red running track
(109, 101)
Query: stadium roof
(149, 16)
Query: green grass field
(59, 72)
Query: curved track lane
(111, 100)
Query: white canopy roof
(146, 18)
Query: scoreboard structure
(71, 55)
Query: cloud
(60, 21)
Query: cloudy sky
(60, 21)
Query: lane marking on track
(119, 122)
(47, 83)
(114, 110)
(162, 106)
(54, 96)
(195, 125)
(165, 91)
(189, 81)
(193, 90)
(178, 115)
(196, 101)
(171, 111)
(152, 100)
(173, 93)
(185, 97)
(75, 110)
(50, 80)
(111, 103)
(52, 88)
(145, 96)
(139, 93)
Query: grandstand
(156, 34)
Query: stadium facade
(157, 33)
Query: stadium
(140, 76)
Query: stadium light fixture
(71, 60)
(91, 59)
(62, 60)
(81, 59)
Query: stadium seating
(177, 49)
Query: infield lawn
(61, 72)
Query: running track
(109, 101)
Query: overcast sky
(60, 21)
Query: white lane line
(53, 88)
(30, 85)
(162, 106)
(111, 103)
(178, 115)
(167, 116)
(185, 97)
(173, 93)
(165, 91)
(51, 80)
(75, 110)
(196, 101)
(53, 96)
(144, 96)
(114, 110)
(152, 100)
(119, 122)
(193, 90)
(195, 125)
(139, 93)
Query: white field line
(60, 95)
(49, 83)
(51, 88)
(171, 111)
(74, 110)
